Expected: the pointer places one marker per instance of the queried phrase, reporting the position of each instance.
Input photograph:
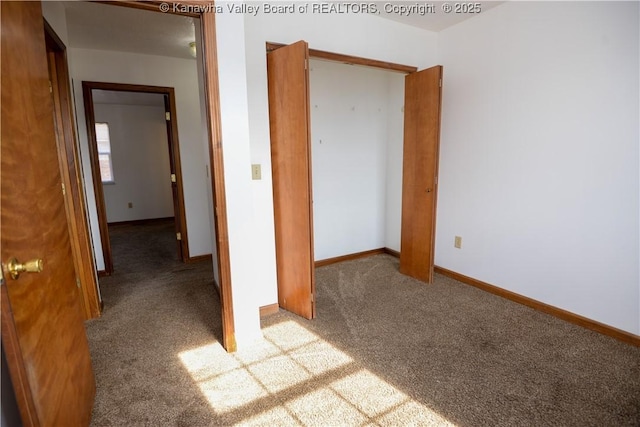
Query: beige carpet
(385, 350)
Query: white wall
(206, 153)
(357, 139)
(54, 13)
(395, 144)
(349, 114)
(181, 74)
(244, 238)
(539, 167)
(140, 161)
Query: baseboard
(199, 258)
(328, 261)
(142, 221)
(267, 310)
(190, 260)
(616, 333)
(391, 252)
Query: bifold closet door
(420, 171)
(288, 80)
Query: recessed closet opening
(356, 144)
(354, 162)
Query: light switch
(256, 172)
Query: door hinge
(78, 284)
(306, 63)
(64, 190)
(173, 177)
(50, 87)
(440, 83)
(313, 297)
(167, 115)
(178, 236)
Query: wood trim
(391, 252)
(97, 180)
(125, 87)
(568, 316)
(349, 257)
(212, 96)
(179, 214)
(68, 155)
(267, 310)
(146, 221)
(199, 258)
(351, 60)
(103, 273)
(310, 184)
(15, 362)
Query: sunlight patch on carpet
(296, 378)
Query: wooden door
(42, 319)
(288, 79)
(420, 172)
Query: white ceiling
(106, 27)
(434, 18)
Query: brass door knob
(14, 268)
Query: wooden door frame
(212, 104)
(351, 60)
(174, 160)
(71, 174)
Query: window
(104, 152)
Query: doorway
(141, 103)
(164, 35)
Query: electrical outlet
(130, 205)
(256, 172)
(458, 242)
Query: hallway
(154, 307)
